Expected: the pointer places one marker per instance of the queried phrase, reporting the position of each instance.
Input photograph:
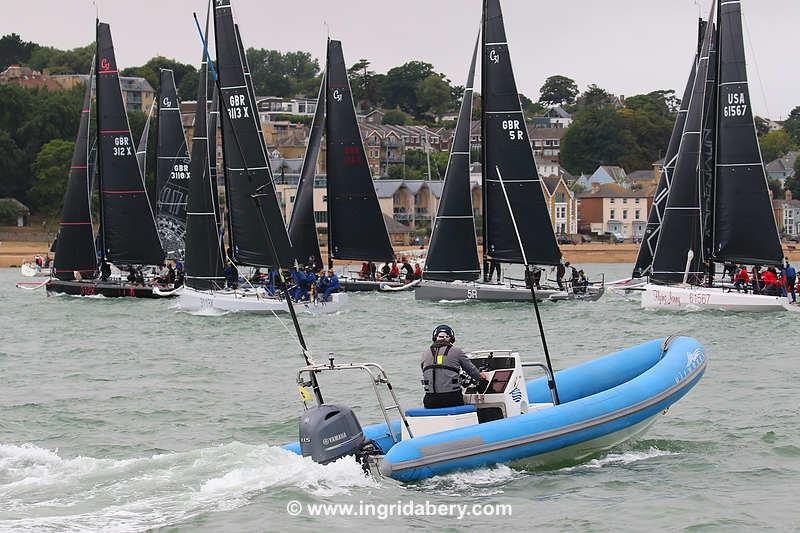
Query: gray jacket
(441, 365)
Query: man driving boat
(441, 365)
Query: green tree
(78, 60)
(50, 170)
(283, 74)
(558, 90)
(530, 107)
(395, 117)
(13, 168)
(185, 75)
(762, 126)
(775, 144)
(400, 86)
(596, 137)
(594, 97)
(776, 188)
(433, 94)
(13, 50)
(365, 84)
(792, 125)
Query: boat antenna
(551, 379)
(256, 198)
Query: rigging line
(755, 63)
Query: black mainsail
(246, 162)
(302, 225)
(128, 228)
(517, 226)
(452, 254)
(203, 247)
(681, 229)
(356, 229)
(74, 248)
(172, 169)
(744, 228)
(644, 260)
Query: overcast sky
(625, 46)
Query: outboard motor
(329, 432)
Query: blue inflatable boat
(603, 402)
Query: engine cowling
(329, 432)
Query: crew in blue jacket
(333, 285)
(299, 278)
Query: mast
(203, 251)
(452, 254)
(644, 259)
(246, 167)
(302, 225)
(74, 247)
(172, 169)
(513, 194)
(128, 226)
(742, 222)
(356, 229)
(681, 228)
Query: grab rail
(551, 382)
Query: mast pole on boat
(256, 198)
(328, 203)
(551, 380)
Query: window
(637, 201)
(638, 214)
(560, 197)
(324, 197)
(321, 217)
(612, 200)
(624, 200)
(612, 214)
(625, 214)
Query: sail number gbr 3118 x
(237, 107)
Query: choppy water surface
(121, 415)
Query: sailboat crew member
(441, 365)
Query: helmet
(444, 328)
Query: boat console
(502, 394)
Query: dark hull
(99, 288)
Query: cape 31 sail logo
(166, 102)
(337, 95)
(494, 57)
(105, 64)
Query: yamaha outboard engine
(329, 432)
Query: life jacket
(440, 374)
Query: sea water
(129, 415)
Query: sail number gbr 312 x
(122, 146)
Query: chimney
(788, 195)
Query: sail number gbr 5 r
(513, 129)
(735, 105)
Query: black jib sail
(74, 247)
(213, 127)
(681, 228)
(141, 148)
(452, 254)
(203, 251)
(128, 226)
(172, 169)
(246, 163)
(302, 225)
(644, 260)
(744, 228)
(511, 184)
(356, 229)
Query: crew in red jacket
(741, 280)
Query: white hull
(676, 298)
(251, 301)
(30, 270)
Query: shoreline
(14, 253)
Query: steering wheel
(467, 382)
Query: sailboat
(127, 226)
(718, 209)
(247, 171)
(172, 169)
(516, 224)
(563, 416)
